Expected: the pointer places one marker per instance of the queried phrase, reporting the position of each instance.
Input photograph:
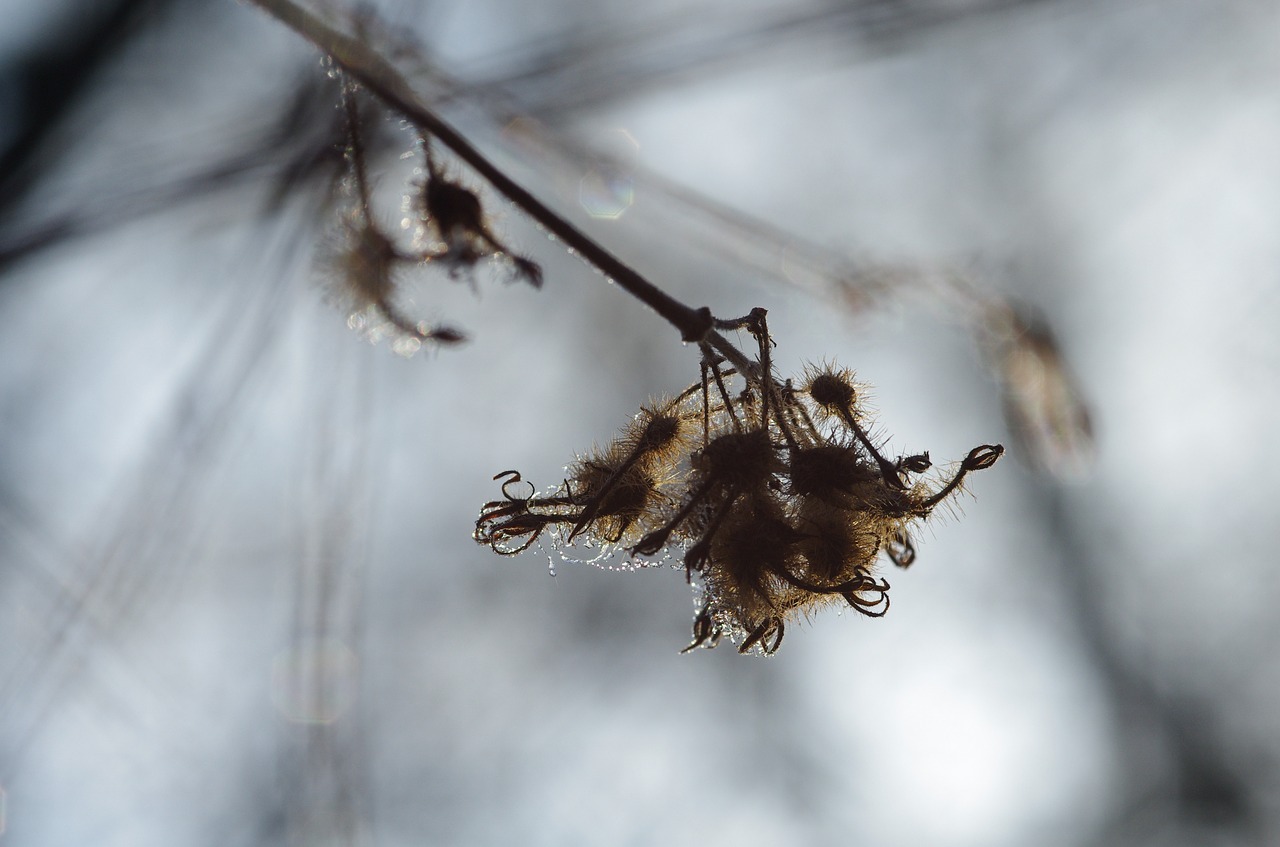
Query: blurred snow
(239, 601)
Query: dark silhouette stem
(379, 77)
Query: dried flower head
(775, 499)
(366, 263)
(453, 216)
(1043, 403)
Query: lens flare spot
(606, 193)
(406, 346)
(608, 189)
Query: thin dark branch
(52, 79)
(371, 70)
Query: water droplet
(375, 333)
(406, 346)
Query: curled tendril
(875, 606)
(760, 635)
(859, 581)
(508, 520)
(499, 527)
(981, 458)
(515, 480)
(696, 559)
(706, 633)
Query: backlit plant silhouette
(777, 498)
(770, 493)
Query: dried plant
(771, 492)
(775, 493)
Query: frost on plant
(770, 493)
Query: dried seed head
(620, 496)
(658, 436)
(455, 211)
(1043, 402)
(456, 215)
(776, 516)
(828, 470)
(748, 552)
(660, 431)
(833, 390)
(364, 264)
(755, 541)
(837, 543)
(363, 267)
(739, 459)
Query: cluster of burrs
(772, 494)
(449, 231)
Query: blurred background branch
(236, 582)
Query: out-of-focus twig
(365, 65)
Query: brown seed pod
(452, 209)
(833, 390)
(366, 263)
(827, 471)
(777, 517)
(613, 498)
(739, 459)
(839, 542)
(745, 555)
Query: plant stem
(377, 75)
